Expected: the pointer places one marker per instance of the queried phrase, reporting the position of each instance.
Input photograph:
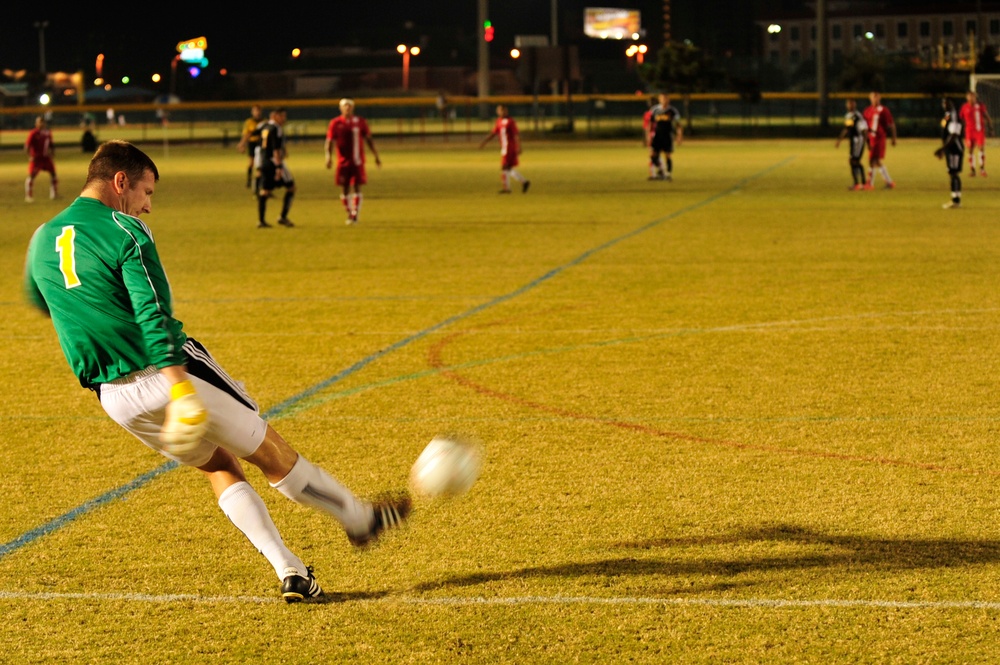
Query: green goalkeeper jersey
(97, 273)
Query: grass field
(746, 416)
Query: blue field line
(57, 523)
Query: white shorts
(138, 403)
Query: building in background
(939, 36)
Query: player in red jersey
(880, 126)
(349, 132)
(510, 149)
(977, 122)
(41, 157)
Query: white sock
(245, 509)
(27, 186)
(516, 175)
(505, 179)
(311, 486)
(885, 173)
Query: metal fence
(468, 118)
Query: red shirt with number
(349, 135)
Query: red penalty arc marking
(436, 361)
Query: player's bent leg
(246, 510)
(309, 485)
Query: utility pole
(666, 22)
(554, 19)
(484, 51)
(822, 53)
(41, 25)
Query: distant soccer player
(41, 157)
(274, 171)
(250, 139)
(952, 150)
(667, 132)
(880, 126)
(856, 130)
(348, 133)
(977, 121)
(510, 150)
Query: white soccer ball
(447, 467)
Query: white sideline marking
(529, 600)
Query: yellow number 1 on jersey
(67, 256)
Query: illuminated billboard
(611, 23)
(192, 51)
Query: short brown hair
(114, 156)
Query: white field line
(453, 601)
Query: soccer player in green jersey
(95, 270)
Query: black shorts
(662, 144)
(954, 158)
(271, 177)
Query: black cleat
(525, 186)
(295, 588)
(389, 514)
(284, 221)
(263, 225)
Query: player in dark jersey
(667, 132)
(856, 131)
(952, 150)
(274, 172)
(95, 270)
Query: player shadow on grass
(331, 597)
(843, 552)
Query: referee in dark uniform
(274, 172)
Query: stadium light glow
(773, 29)
(406, 52)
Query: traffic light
(488, 30)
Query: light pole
(638, 51)
(406, 52)
(41, 25)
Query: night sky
(139, 44)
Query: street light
(406, 52)
(638, 51)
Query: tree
(683, 68)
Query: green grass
(746, 416)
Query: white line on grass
(456, 601)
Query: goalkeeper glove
(186, 421)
